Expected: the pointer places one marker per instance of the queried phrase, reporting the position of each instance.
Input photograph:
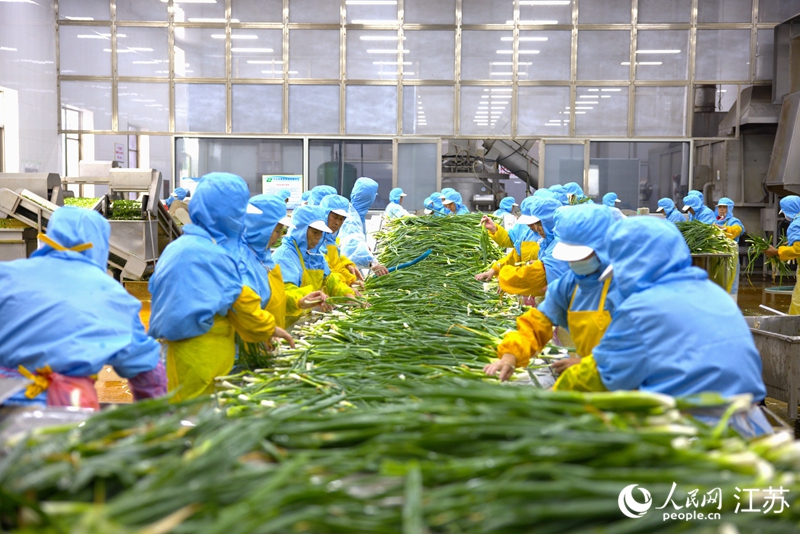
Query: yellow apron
(277, 300)
(587, 328)
(313, 277)
(193, 363)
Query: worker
(305, 197)
(303, 266)
(577, 301)
(438, 208)
(574, 193)
(733, 228)
(676, 346)
(336, 210)
(198, 326)
(453, 202)
(697, 210)
(428, 204)
(285, 195)
(611, 200)
(790, 208)
(353, 234)
(395, 208)
(505, 211)
(179, 193)
(257, 268)
(319, 192)
(363, 195)
(531, 279)
(64, 318)
(560, 193)
(521, 240)
(667, 207)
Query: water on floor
(760, 290)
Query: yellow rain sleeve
(733, 231)
(252, 323)
(789, 253)
(335, 287)
(293, 296)
(533, 332)
(338, 264)
(528, 280)
(501, 238)
(510, 259)
(580, 377)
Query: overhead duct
(783, 176)
(755, 107)
(514, 157)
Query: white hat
(448, 201)
(319, 225)
(514, 204)
(287, 222)
(617, 201)
(659, 210)
(403, 195)
(566, 252)
(339, 211)
(607, 273)
(686, 208)
(527, 219)
(427, 211)
(253, 210)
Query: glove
(150, 384)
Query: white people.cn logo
(630, 506)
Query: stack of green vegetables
(758, 244)
(81, 202)
(125, 210)
(381, 422)
(711, 239)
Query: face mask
(584, 267)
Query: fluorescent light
(498, 107)
(588, 96)
(594, 89)
(718, 90)
(584, 107)
(611, 90)
(371, 2)
(384, 51)
(551, 124)
(583, 102)
(79, 18)
(605, 96)
(580, 113)
(248, 49)
(91, 36)
(498, 97)
(642, 63)
(7, 49)
(555, 120)
(292, 72)
(265, 61)
(525, 39)
(379, 38)
(658, 51)
(390, 62)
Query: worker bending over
(790, 207)
(667, 207)
(198, 325)
(453, 202)
(522, 242)
(395, 208)
(64, 318)
(611, 200)
(578, 300)
(693, 204)
(506, 212)
(336, 210)
(353, 235)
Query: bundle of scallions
(758, 244)
(704, 238)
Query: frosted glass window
(94, 101)
(417, 166)
(660, 111)
(484, 53)
(777, 10)
(562, 164)
(601, 111)
(372, 55)
(482, 12)
(85, 50)
(314, 11)
(257, 108)
(371, 14)
(143, 106)
(543, 111)
(764, 54)
(662, 55)
(548, 56)
(371, 109)
(427, 110)
(84, 9)
(604, 12)
(546, 14)
(193, 11)
(427, 12)
(604, 55)
(199, 53)
(725, 10)
(314, 54)
(663, 11)
(256, 53)
(431, 53)
(485, 110)
(147, 10)
(314, 109)
(143, 52)
(722, 55)
(257, 10)
(200, 107)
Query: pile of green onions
(759, 244)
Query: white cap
(403, 195)
(686, 208)
(566, 252)
(253, 210)
(514, 204)
(448, 201)
(340, 211)
(319, 225)
(617, 201)
(607, 273)
(527, 219)
(287, 222)
(660, 209)
(427, 211)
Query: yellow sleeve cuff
(581, 377)
(501, 237)
(533, 332)
(528, 280)
(789, 253)
(252, 323)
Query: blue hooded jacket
(286, 255)
(284, 194)
(438, 208)
(610, 200)
(61, 309)
(673, 331)
(698, 194)
(506, 205)
(521, 233)
(179, 193)
(575, 190)
(318, 193)
(560, 193)
(586, 225)
(255, 259)
(455, 196)
(330, 203)
(790, 206)
(305, 196)
(362, 196)
(205, 256)
(395, 209)
(729, 219)
(702, 212)
(670, 211)
(545, 209)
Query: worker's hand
(559, 366)
(771, 251)
(503, 368)
(357, 284)
(488, 223)
(486, 276)
(311, 300)
(355, 272)
(280, 333)
(380, 270)
(529, 301)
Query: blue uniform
(545, 209)
(255, 258)
(394, 209)
(179, 193)
(702, 212)
(673, 331)
(455, 197)
(319, 192)
(506, 205)
(670, 211)
(287, 254)
(284, 194)
(575, 190)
